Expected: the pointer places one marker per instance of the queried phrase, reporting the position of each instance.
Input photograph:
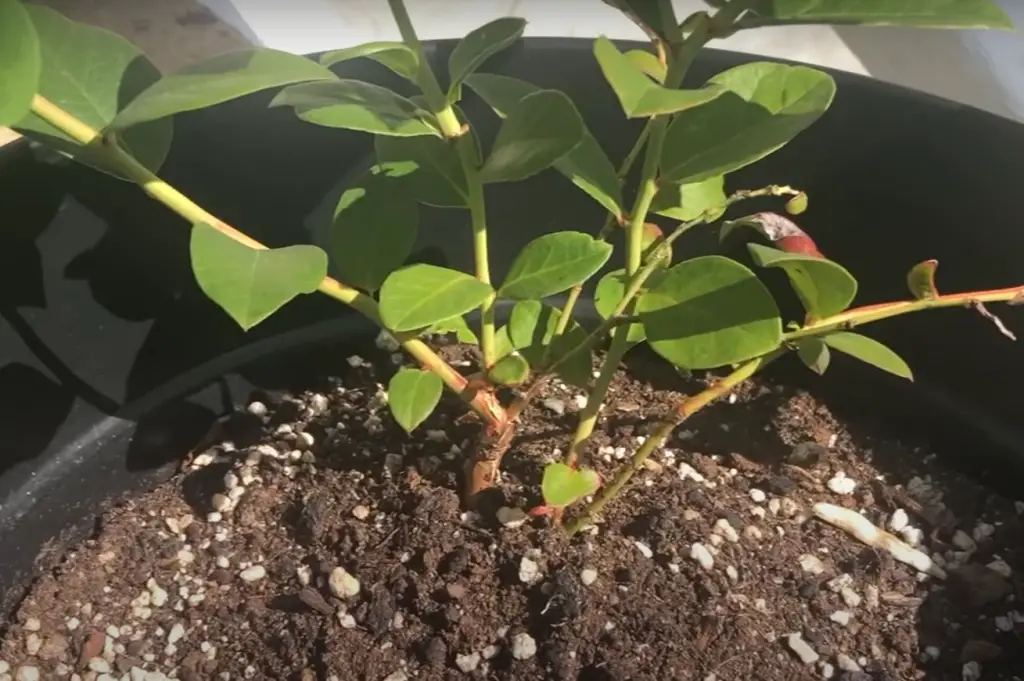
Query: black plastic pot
(113, 364)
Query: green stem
(484, 404)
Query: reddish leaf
(785, 234)
(921, 280)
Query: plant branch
(484, 404)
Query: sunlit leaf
(531, 331)
(554, 263)
(797, 204)
(610, 290)
(640, 96)
(921, 280)
(355, 105)
(428, 168)
(398, 57)
(413, 395)
(709, 312)
(648, 63)
(512, 369)
(250, 284)
(478, 46)
(586, 164)
(918, 13)
(824, 287)
(870, 351)
(539, 129)
(686, 202)
(420, 295)
(814, 354)
(764, 106)
(20, 62)
(564, 485)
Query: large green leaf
(608, 294)
(586, 165)
(824, 287)
(814, 354)
(541, 128)
(709, 312)
(563, 485)
(554, 263)
(478, 46)
(398, 57)
(355, 105)
(92, 74)
(919, 13)
(373, 232)
(686, 202)
(531, 331)
(418, 296)
(428, 168)
(870, 351)
(765, 106)
(219, 79)
(640, 96)
(20, 62)
(412, 395)
(250, 284)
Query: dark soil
(329, 481)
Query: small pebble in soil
(257, 408)
(757, 496)
(588, 576)
(529, 572)
(983, 532)
(912, 535)
(342, 584)
(774, 506)
(700, 553)
(847, 663)
(555, 405)
(361, 512)
(840, 484)
(802, 649)
(811, 564)
(899, 520)
(827, 671)
(1002, 567)
(963, 541)
(725, 528)
(971, 671)
(523, 646)
(511, 517)
(644, 549)
(732, 574)
(841, 617)
(253, 573)
(467, 663)
(850, 597)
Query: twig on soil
(860, 527)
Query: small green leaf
(797, 204)
(648, 63)
(554, 263)
(765, 106)
(921, 280)
(709, 312)
(20, 62)
(509, 370)
(563, 485)
(608, 295)
(686, 202)
(814, 354)
(540, 129)
(870, 351)
(413, 395)
(219, 79)
(478, 46)
(417, 296)
(586, 165)
(824, 287)
(917, 13)
(639, 96)
(531, 331)
(92, 74)
(459, 327)
(396, 56)
(355, 105)
(373, 232)
(430, 169)
(250, 284)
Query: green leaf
(814, 354)
(825, 288)
(586, 165)
(765, 106)
(417, 296)
(531, 331)
(917, 13)
(428, 168)
(92, 74)
(374, 231)
(250, 284)
(413, 395)
(478, 46)
(608, 295)
(648, 63)
(219, 79)
(355, 105)
(396, 56)
(921, 280)
(797, 204)
(459, 327)
(686, 202)
(511, 369)
(870, 351)
(563, 485)
(639, 96)
(541, 128)
(709, 312)
(554, 263)
(20, 62)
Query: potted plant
(369, 528)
